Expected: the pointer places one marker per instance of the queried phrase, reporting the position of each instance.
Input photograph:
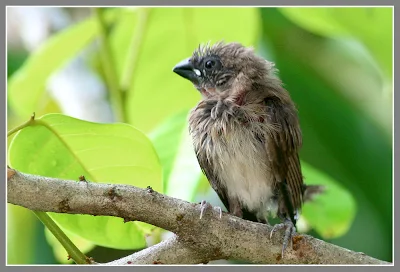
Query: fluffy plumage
(245, 132)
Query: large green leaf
(27, 85)
(372, 26)
(64, 147)
(332, 212)
(173, 144)
(171, 35)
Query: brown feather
(245, 131)
(285, 144)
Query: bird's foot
(289, 233)
(203, 206)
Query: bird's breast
(232, 142)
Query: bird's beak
(185, 69)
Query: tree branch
(170, 251)
(196, 241)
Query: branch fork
(195, 241)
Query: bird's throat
(207, 92)
(239, 99)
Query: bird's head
(223, 69)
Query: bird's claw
(203, 206)
(289, 233)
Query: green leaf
(173, 144)
(371, 26)
(64, 147)
(26, 87)
(332, 212)
(171, 35)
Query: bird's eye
(209, 64)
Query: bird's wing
(205, 164)
(282, 149)
(213, 179)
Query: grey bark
(195, 240)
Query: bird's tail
(313, 190)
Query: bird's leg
(235, 208)
(203, 206)
(289, 233)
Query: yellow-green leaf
(65, 147)
(332, 212)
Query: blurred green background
(335, 62)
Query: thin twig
(24, 125)
(69, 246)
(134, 49)
(109, 68)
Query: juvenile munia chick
(246, 134)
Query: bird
(246, 134)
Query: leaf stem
(109, 68)
(134, 49)
(72, 250)
(24, 125)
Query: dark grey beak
(185, 69)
